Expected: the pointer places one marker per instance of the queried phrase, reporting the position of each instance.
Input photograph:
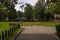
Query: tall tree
(55, 1)
(28, 12)
(57, 8)
(53, 6)
(39, 10)
(3, 12)
(12, 14)
(7, 10)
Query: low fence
(5, 34)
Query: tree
(57, 8)
(51, 8)
(54, 7)
(7, 10)
(3, 12)
(55, 1)
(28, 12)
(12, 14)
(39, 10)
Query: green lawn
(4, 26)
(51, 24)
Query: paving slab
(37, 33)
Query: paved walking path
(37, 33)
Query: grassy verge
(15, 33)
(51, 24)
(4, 26)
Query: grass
(4, 26)
(51, 24)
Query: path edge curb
(56, 37)
(18, 33)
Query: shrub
(24, 19)
(58, 30)
(58, 18)
(0, 36)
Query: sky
(20, 2)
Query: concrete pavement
(37, 33)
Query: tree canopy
(28, 11)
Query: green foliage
(4, 26)
(53, 7)
(55, 1)
(24, 19)
(28, 12)
(57, 8)
(58, 30)
(58, 18)
(39, 11)
(49, 24)
(3, 13)
(12, 14)
(7, 10)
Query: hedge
(58, 30)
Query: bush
(0, 36)
(58, 18)
(58, 30)
(24, 19)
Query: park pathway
(37, 33)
